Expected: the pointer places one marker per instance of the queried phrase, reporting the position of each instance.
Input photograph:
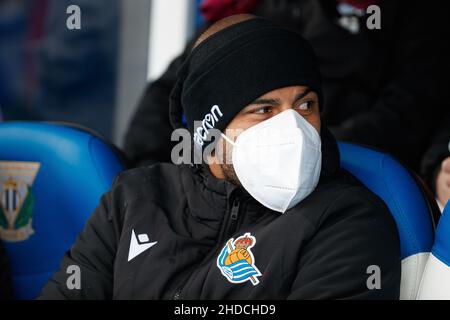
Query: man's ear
(212, 157)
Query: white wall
(171, 25)
(132, 64)
(153, 32)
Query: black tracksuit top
(319, 249)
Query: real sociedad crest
(16, 199)
(236, 260)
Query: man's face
(297, 98)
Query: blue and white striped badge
(236, 260)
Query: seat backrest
(388, 179)
(436, 277)
(51, 179)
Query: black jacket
(321, 248)
(382, 88)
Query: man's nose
(283, 107)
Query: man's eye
(263, 110)
(306, 106)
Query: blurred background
(93, 76)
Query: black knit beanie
(235, 66)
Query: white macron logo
(209, 121)
(139, 244)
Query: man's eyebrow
(266, 101)
(277, 101)
(302, 95)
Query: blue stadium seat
(436, 278)
(387, 178)
(51, 178)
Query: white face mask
(278, 161)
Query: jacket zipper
(233, 220)
(230, 229)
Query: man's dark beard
(227, 166)
(230, 174)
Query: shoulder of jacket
(342, 199)
(139, 182)
(357, 202)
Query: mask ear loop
(228, 139)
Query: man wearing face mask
(269, 216)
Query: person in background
(376, 83)
(436, 162)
